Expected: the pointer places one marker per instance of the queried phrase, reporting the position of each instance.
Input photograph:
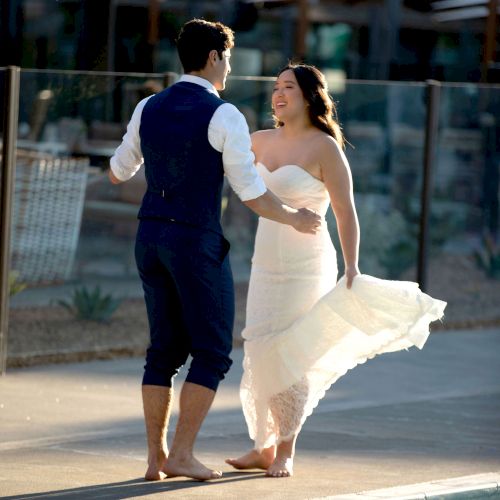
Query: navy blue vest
(184, 173)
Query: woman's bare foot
(281, 467)
(254, 459)
(188, 466)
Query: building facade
(361, 39)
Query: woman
(302, 330)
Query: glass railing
(384, 125)
(69, 125)
(252, 96)
(465, 258)
(79, 114)
(73, 230)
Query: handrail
(409, 83)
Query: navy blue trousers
(189, 295)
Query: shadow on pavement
(136, 487)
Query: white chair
(49, 195)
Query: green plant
(93, 306)
(15, 286)
(488, 257)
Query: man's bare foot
(281, 467)
(254, 459)
(156, 465)
(188, 466)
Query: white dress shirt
(227, 133)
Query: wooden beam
(490, 39)
(456, 4)
(464, 14)
(302, 29)
(153, 21)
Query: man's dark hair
(197, 38)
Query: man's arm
(228, 133)
(127, 159)
(271, 207)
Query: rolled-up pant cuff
(156, 377)
(207, 375)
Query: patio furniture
(48, 202)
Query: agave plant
(91, 305)
(15, 286)
(488, 257)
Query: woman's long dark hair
(322, 111)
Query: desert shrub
(488, 257)
(15, 286)
(91, 305)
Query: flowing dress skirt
(303, 331)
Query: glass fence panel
(252, 96)
(464, 266)
(384, 128)
(73, 231)
(79, 114)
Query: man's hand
(113, 178)
(271, 207)
(350, 273)
(306, 221)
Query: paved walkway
(404, 425)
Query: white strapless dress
(303, 329)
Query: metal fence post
(10, 119)
(433, 92)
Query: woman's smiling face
(287, 100)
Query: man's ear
(213, 56)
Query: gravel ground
(39, 335)
(51, 334)
(473, 298)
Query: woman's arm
(338, 180)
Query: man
(188, 139)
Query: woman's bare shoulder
(331, 156)
(328, 148)
(263, 135)
(328, 143)
(261, 140)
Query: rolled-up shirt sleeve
(228, 133)
(128, 158)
